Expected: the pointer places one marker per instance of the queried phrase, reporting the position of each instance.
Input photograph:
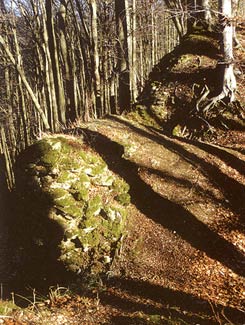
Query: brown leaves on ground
(182, 261)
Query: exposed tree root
(229, 88)
(213, 101)
(204, 93)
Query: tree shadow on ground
(170, 215)
(204, 193)
(219, 152)
(5, 251)
(134, 296)
(232, 190)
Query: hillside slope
(183, 259)
(188, 203)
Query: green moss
(116, 222)
(98, 169)
(115, 231)
(177, 131)
(84, 179)
(94, 206)
(57, 193)
(41, 148)
(81, 194)
(142, 116)
(71, 193)
(72, 210)
(103, 180)
(120, 186)
(93, 239)
(7, 307)
(91, 222)
(64, 176)
(123, 198)
(200, 43)
(68, 163)
(50, 158)
(90, 158)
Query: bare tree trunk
(95, 55)
(207, 13)
(235, 5)
(67, 54)
(25, 82)
(134, 90)
(11, 125)
(176, 9)
(21, 93)
(122, 51)
(59, 109)
(229, 79)
(8, 161)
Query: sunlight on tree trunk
(229, 79)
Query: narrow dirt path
(186, 245)
(182, 261)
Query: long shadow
(204, 193)
(35, 244)
(222, 154)
(5, 250)
(171, 215)
(186, 303)
(232, 190)
(34, 237)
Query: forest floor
(182, 261)
(183, 258)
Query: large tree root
(229, 88)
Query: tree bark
(59, 110)
(95, 56)
(25, 82)
(229, 79)
(122, 52)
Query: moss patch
(62, 183)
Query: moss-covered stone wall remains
(67, 197)
(180, 86)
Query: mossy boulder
(70, 205)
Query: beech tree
(227, 63)
(95, 56)
(123, 54)
(64, 60)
